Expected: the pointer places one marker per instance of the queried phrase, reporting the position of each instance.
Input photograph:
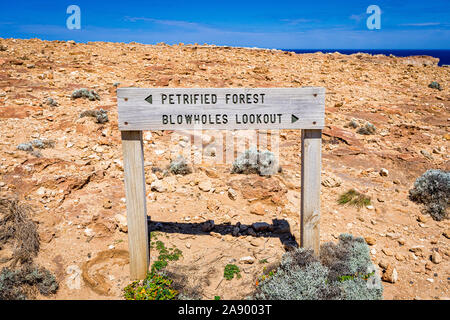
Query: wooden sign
(228, 109)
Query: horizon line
(216, 45)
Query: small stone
(422, 218)
(399, 257)
(416, 249)
(383, 264)
(226, 219)
(89, 232)
(158, 186)
(216, 235)
(331, 182)
(436, 257)
(247, 260)
(384, 172)
(121, 222)
(387, 252)
(107, 204)
(41, 191)
(401, 241)
(392, 235)
(428, 266)
(205, 185)
(370, 240)
(232, 194)
(390, 274)
(426, 154)
(258, 209)
(188, 245)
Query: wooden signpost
(221, 109)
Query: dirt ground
(77, 192)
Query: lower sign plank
(221, 109)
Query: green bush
(154, 287)
(432, 189)
(157, 285)
(230, 270)
(344, 271)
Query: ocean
(443, 55)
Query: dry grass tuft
(16, 225)
(354, 198)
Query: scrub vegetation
(344, 271)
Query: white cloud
(295, 22)
(358, 17)
(423, 24)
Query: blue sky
(296, 24)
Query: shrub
(36, 143)
(353, 124)
(344, 271)
(155, 286)
(230, 270)
(16, 225)
(435, 85)
(367, 129)
(255, 161)
(21, 284)
(180, 166)
(165, 255)
(100, 115)
(432, 189)
(85, 93)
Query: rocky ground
(73, 178)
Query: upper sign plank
(221, 109)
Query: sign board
(221, 109)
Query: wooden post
(310, 189)
(133, 164)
